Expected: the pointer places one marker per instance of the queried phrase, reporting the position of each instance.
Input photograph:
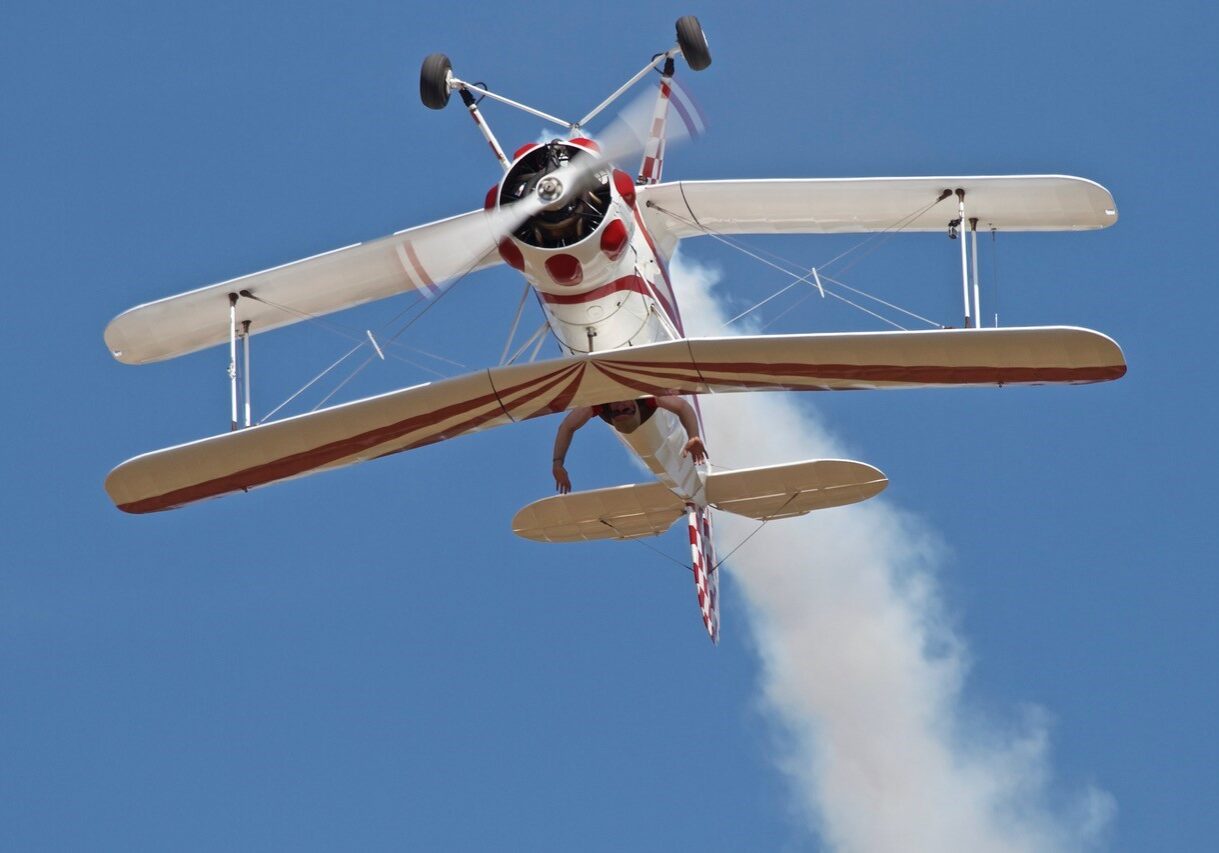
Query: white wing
(845, 205)
(415, 259)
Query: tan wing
(413, 417)
(649, 509)
(797, 488)
(620, 512)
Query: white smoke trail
(861, 668)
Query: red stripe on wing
(749, 374)
(309, 460)
(418, 267)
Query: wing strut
(233, 361)
(239, 373)
(472, 106)
(957, 228)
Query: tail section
(654, 150)
(706, 572)
(649, 509)
(783, 491)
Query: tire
(693, 43)
(434, 81)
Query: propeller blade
(625, 137)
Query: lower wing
(425, 414)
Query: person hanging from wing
(625, 416)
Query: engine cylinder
(581, 209)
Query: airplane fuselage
(603, 284)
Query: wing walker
(593, 242)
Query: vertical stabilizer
(654, 149)
(706, 573)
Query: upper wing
(845, 205)
(417, 258)
(402, 420)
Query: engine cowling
(582, 237)
(577, 211)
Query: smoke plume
(862, 671)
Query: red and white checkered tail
(706, 573)
(654, 149)
(692, 124)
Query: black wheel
(434, 81)
(693, 43)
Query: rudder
(706, 572)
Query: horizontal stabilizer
(630, 512)
(859, 205)
(781, 491)
(621, 512)
(425, 414)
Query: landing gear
(434, 81)
(437, 83)
(693, 43)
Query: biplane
(593, 242)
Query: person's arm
(689, 420)
(575, 419)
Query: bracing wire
(310, 383)
(339, 387)
(351, 334)
(516, 321)
(840, 298)
(536, 337)
(846, 286)
(392, 340)
(722, 560)
(756, 530)
(803, 277)
(896, 227)
(651, 548)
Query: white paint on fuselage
(636, 308)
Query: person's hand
(696, 449)
(562, 483)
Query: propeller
(562, 184)
(625, 137)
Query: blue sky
(369, 658)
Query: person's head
(624, 415)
